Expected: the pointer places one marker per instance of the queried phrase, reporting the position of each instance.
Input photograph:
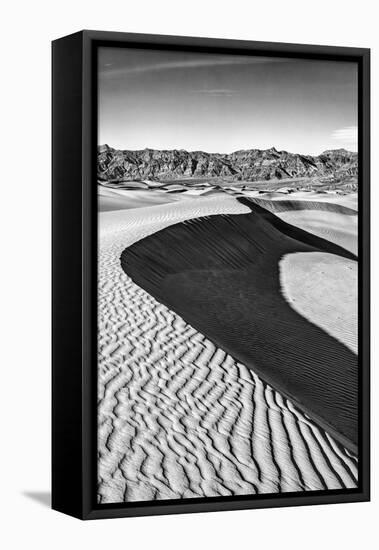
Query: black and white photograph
(227, 295)
(188, 234)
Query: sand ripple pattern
(178, 417)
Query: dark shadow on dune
(42, 497)
(221, 274)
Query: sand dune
(284, 205)
(229, 289)
(323, 289)
(178, 416)
(144, 193)
(333, 221)
(117, 199)
(349, 200)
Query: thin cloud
(216, 92)
(187, 64)
(347, 136)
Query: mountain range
(117, 166)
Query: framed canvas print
(210, 274)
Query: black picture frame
(74, 206)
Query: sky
(223, 103)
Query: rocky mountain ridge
(117, 166)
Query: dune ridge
(285, 204)
(179, 417)
(229, 289)
(337, 223)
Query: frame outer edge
(87, 508)
(66, 275)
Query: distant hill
(115, 166)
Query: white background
(27, 29)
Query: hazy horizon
(156, 99)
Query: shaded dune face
(221, 275)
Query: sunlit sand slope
(324, 290)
